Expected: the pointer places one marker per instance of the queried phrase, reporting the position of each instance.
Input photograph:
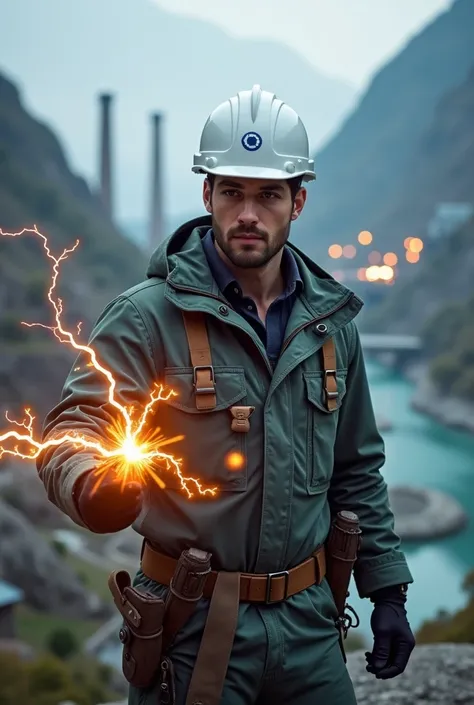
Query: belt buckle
(203, 390)
(270, 577)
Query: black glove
(110, 506)
(393, 639)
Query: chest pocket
(321, 425)
(211, 451)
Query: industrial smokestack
(105, 166)
(156, 205)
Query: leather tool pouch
(142, 631)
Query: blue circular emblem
(251, 141)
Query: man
(286, 440)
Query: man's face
(251, 218)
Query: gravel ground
(439, 674)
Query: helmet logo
(251, 141)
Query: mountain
(38, 187)
(153, 60)
(437, 300)
(366, 171)
(442, 169)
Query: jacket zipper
(293, 334)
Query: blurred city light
(378, 273)
(390, 258)
(386, 272)
(349, 251)
(412, 257)
(335, 251)
(375, 257)
(365, 237)
(415, 245)
(372, 273)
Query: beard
(250, 255)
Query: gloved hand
(109, 507)
(393, 639)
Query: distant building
(10, 596)
(448, 218)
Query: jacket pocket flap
(229, 384)
(314, 382)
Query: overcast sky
(350, 39)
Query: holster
(186, 589)
(342, 547)
(142, 632)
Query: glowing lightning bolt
(132, 453)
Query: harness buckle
(203, 390)
(329, 395)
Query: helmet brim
(254, 172)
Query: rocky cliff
(38, 187)
(436, 674)
(28, 561)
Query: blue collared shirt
(273, 332)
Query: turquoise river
(422, 453)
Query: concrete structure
(156, 233)
(423, 514)
(10, 596)
(448, 218)
(105, 153)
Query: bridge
(392, 350)
(384, 342)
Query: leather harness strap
(253, 587)
(201, 359)
(210, 669)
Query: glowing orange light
(235, 461)
(390, 258)
(365, 237)
(131, 450)
(406, 242)
(412, 257)
(349, 251)
(415, 245)
(361, 274)
(375, 257)
(335, 251)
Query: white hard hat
(254, 135)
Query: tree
(49, 681)
(62, 643)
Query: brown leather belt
(265, 588)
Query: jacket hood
(160, 263)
